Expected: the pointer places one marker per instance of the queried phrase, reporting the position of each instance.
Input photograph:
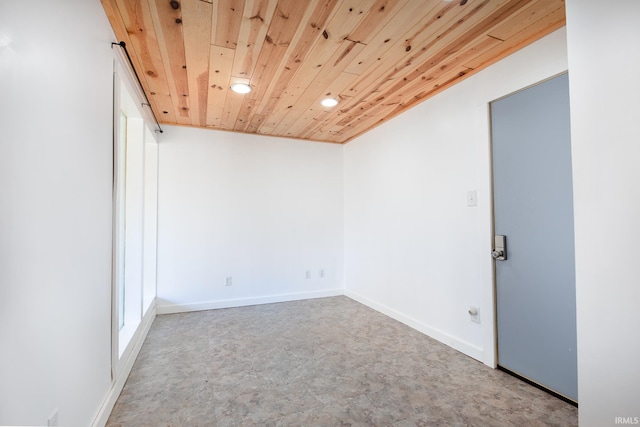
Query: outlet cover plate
(53, 419)
(474, 317)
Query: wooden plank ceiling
(377, 57)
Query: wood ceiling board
(231, 110)
(451, 39)
(245, 114)
(441, 75)
(132, 24)
(113, 14)
(347, 18)
(526, 17)
(401, 56)
(315, 129)
(330, 82)
(417, 94)
(379, 56)
(316, 114)
(255, 123)
(294, 83)
(269, 64)
(220, 65)
(228, 18)
(409, 15)
(379, 16)
(168, 29)
(304, 36)
(320, 88)
(495, 53)
(526, 36)
(303, 44)
(253, 30)
(197, 48)
(322, 57)
(383, 112)
(452, 46)
(283, 28)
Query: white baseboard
(456, 343)
(168, 308)
(125, 369)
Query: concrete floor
(321, 362)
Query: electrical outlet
(321, 273)
(474, 314)
(228, 281)
(53, 419)
(307, 274)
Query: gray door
(533, 208)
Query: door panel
(533, 207)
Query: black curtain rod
(123, 45)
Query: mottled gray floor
(321, 362)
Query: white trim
(453, 342)
(168, 308)
(124, 369)
(123, 68)
(114, 220)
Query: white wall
(150, 231)
(604, 87)
(413, 249)
(262, 210)
(55, 210)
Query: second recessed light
(329, 102)
(241, 88)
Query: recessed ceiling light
(329, 102)
(241, 88)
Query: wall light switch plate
(472, 198)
